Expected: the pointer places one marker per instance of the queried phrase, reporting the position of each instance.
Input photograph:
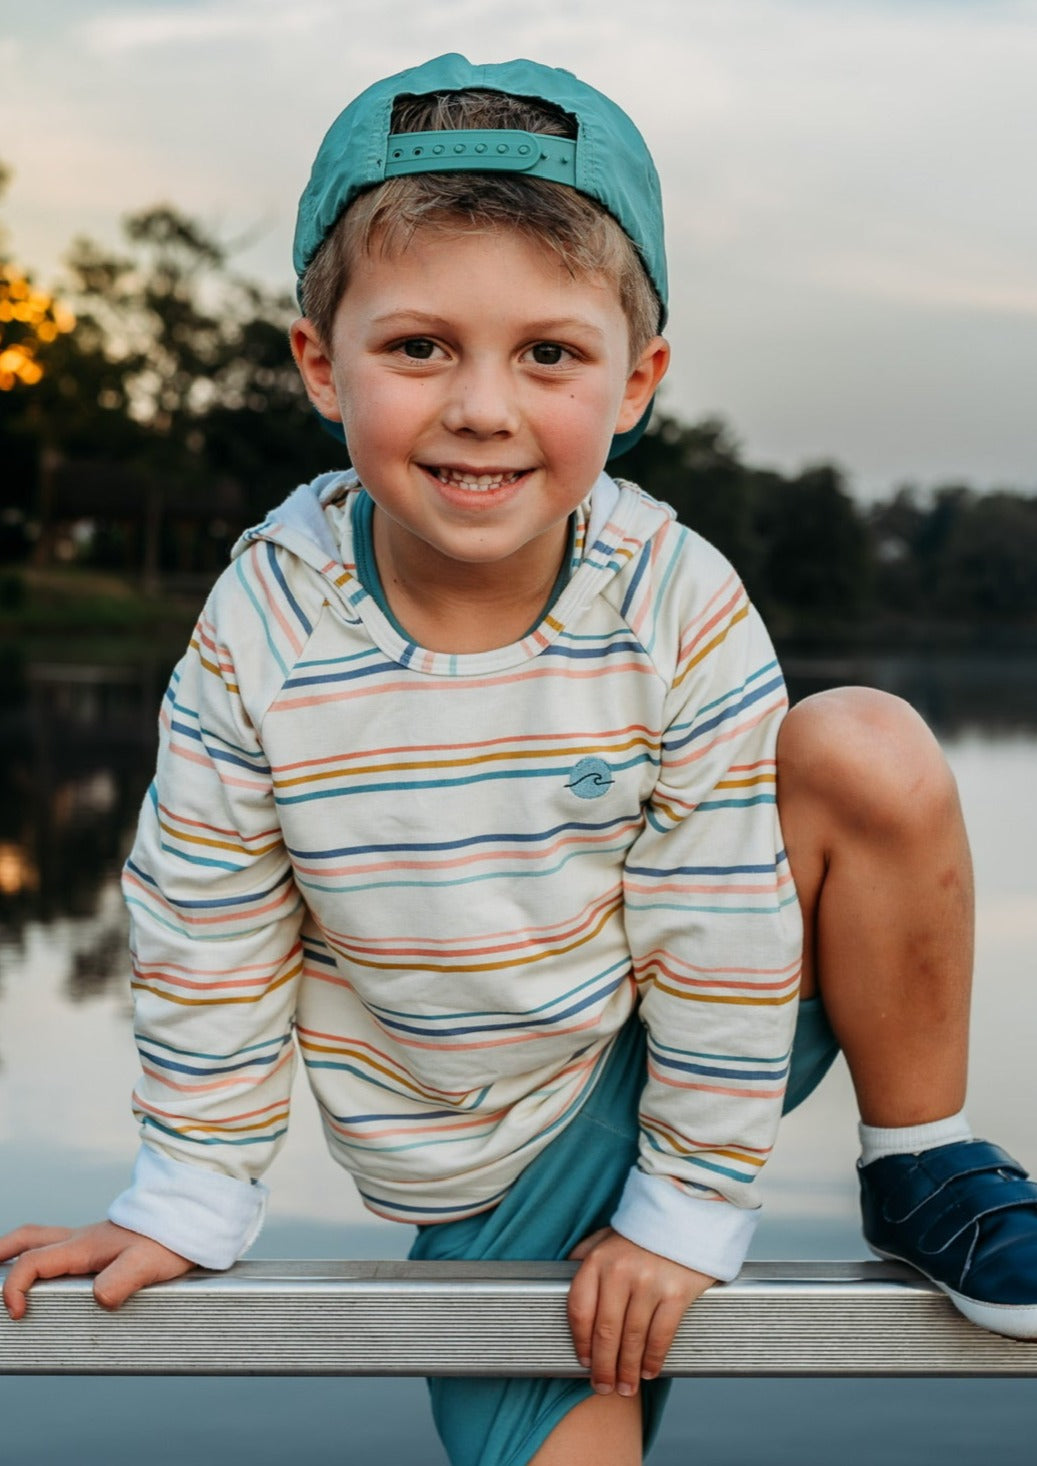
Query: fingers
(583, 1308)
(625, 1306)
(609, 1339)
(124, 1262)
(639, 1320)
(22, 1238)
(665, 1323)
(599, 1300)
(60, 1257)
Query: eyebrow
(548, 328)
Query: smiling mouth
(478, 483)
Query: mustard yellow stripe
(746, 783)
(178, 834)
(158, 992)
(716, 998)
(498, 962)
(474, 760)
(675, 1144)
(230, 1129)
(401, 1080)
(712, 645)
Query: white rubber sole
(1014, 1320)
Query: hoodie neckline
(362, 516)
(315, 525)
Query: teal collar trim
(366, 565)
(362, 521)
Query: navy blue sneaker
(965, 1215)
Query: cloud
(117, 32)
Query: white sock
(910, 1139)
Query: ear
(314, 362)
(648, 371)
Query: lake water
(76, 745)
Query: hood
(619, 518)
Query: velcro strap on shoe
(935, 1169)
(981, 1196)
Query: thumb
(588, 1244)
(134, 1269)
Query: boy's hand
(124, 1261)
(624, 1307)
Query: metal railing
(504, 1318)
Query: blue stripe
(429, 1211)
(713, 1071)
(660, 1047)
(289, 597)
(209, 905)
(635, 580)
(736, 803)
(324, 679)
(590, 653)
(764, 671)
(406, 786)
(689, 906)
(776, 684)
(217, 755)
(156, 1043)
(267, 1138)
(208, 861)
(168, 1064)
(240, 572)
(551, 1022)
(392, 883)
(703, 870)
(492, 1013)
(436, 846)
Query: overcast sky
(849, 184)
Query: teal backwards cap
(608, 159)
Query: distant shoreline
(74, 607)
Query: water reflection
(76, 753)
(77, 745)
(956, 694)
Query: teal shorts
(570, 1190)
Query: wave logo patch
(590, 778)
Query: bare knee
(862, 761)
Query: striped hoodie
(447, 881)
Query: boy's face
(479, 385)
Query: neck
(454, 606)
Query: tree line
(163, 359)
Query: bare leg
(602, 1431)
(878, 850)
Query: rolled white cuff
(710, 1236)
(207, 1217)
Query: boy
(469, 779)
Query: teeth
(478, 481)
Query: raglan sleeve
(716, 937)
(215, 922)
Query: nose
(481, 402)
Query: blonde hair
(585, 237)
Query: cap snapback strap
(495, 150)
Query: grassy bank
(74, 607)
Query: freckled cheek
(382, 418)
(579, 428)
